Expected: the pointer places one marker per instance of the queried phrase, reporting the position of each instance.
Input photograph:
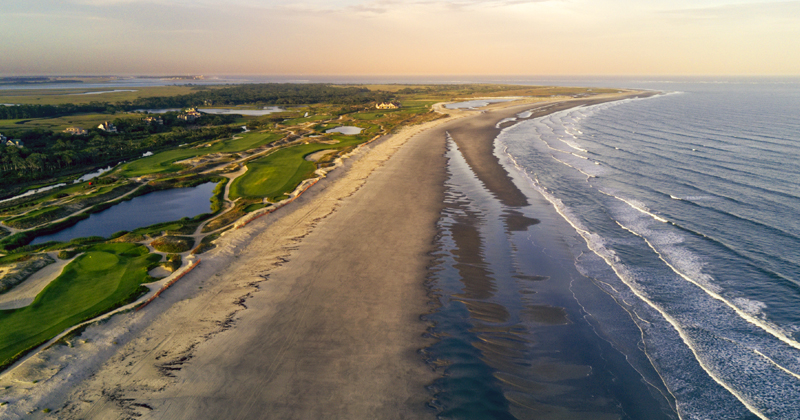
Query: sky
(394, 37)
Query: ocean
(663, 280)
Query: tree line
(47, 154)
(267, 94)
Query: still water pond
(346, 130)
(145, 210)
(252, 112)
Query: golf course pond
(346, 130)
(145, 210)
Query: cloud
(774, 9)
(380, 6)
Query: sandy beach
(312, 312)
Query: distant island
(35, 80)
(200, 77)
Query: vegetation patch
(51, 213)
(173, 244)
(67, 254)
(105, 277)
(227, 218)
(129, 237)
(207, 243)
(172, 263)
(254, 207)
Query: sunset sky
(393, 37)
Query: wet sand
(517, 338)
(315, 311)
(475, 139)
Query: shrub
(173, 244)
(67, 254)
(173, 262)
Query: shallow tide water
(522, 334)
(668, 242)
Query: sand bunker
(23, 294)
(319, 155)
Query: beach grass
(163, 162)
(106, 276)
(173, 244)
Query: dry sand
(311, 312)
(334, 332)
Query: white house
(388, 105)
(107, 127)
(191, 114)
(76, 131)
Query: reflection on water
(517, 338)
(32, 192)
(101, 92)
(94, 174)
(157, 111)
(252, 112)
(145, 210)
(346, 130)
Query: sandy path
(23, 294)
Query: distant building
(76, 131)
(2, 138)
(388, 105)
(191, 114)
(12, 142)
(107, 127)
(154, 120)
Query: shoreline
(276, 255)
(518, 319)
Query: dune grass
(163, 162)
(94, 283)
(173, 244)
